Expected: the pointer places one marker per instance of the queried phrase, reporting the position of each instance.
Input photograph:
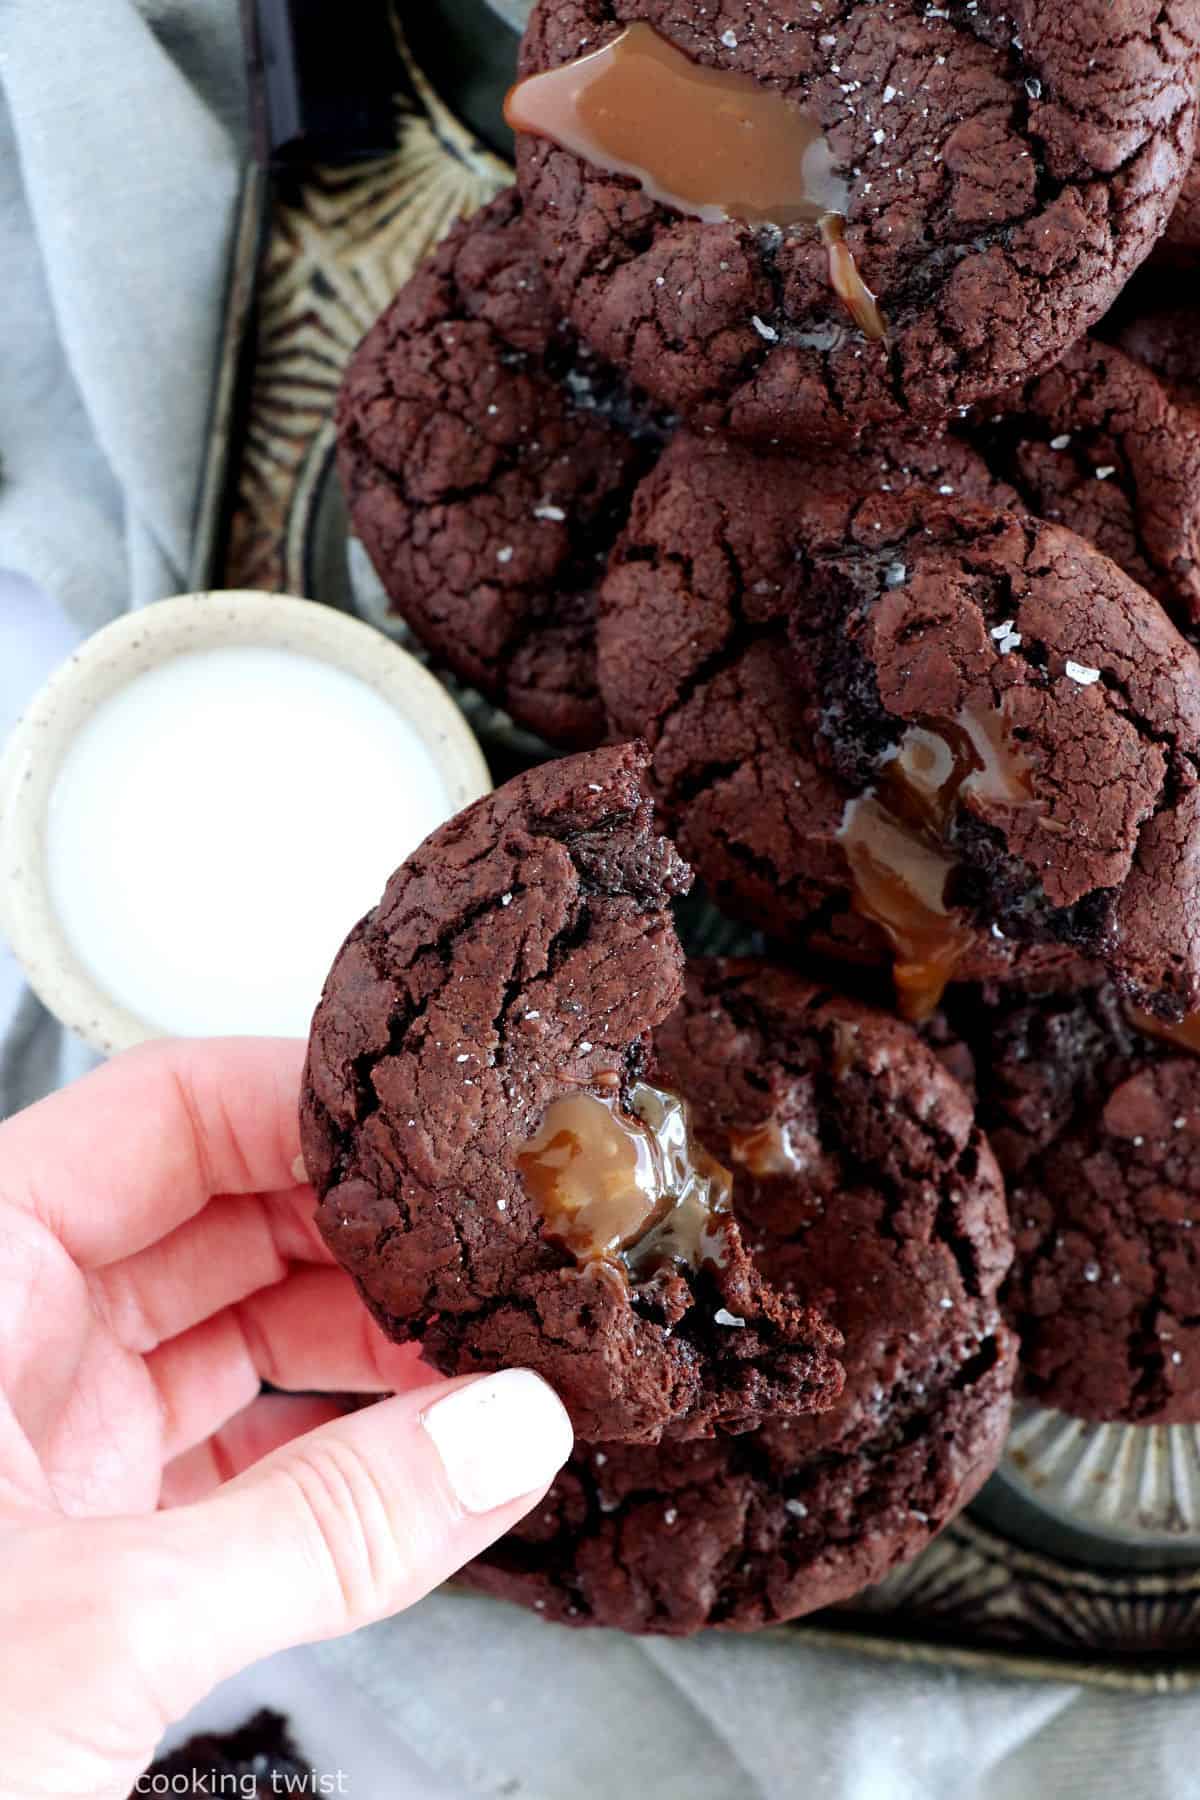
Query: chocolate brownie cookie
(259, 1758)
(1096, 1123)
(488, 460)
(1103, 445)
(1160, 332)
(792, 221)
(963, 724)
(1179, 245)
(494, 1167)
(864, 1182)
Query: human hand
(161, 1524)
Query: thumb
(352, 1522)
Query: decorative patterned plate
(1082, 1557)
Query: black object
(258, 1758)
(323, 85)
(469, 55)
(321, 90)
(323, 80)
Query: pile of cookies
(809, 446)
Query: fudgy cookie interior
(494, 1167)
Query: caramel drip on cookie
(633, 1187)
(897, 841)
(712, 143)
(846, 281)
(1183, 1033)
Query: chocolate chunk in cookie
(963, 724)
(495, 1166)
(488, 460)
(1093, 1110)
(862, 1181)
(791, 221)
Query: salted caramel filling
(846, 281)
(712, 143)
(766, 1149)
(1184, 1033)
(897, 843)
(632, 1187)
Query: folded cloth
(492, 1701)
(465, 1699)
(121, 125)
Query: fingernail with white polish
(499, 1437)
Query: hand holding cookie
(162, 1524)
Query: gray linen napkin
(120, 125)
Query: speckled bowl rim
(131, 646)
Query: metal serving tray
(1081, 1559)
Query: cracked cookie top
(488, 460)
(863, 1183)
(1003, 170)
(964, 725)
(1094, 1114)
(494, 1168)
(1105, 446)
(1179, 245)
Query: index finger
(120, 1158)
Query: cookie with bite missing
(495, 1166)
(861, 1181)
(958, 725)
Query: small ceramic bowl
(132, 646)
